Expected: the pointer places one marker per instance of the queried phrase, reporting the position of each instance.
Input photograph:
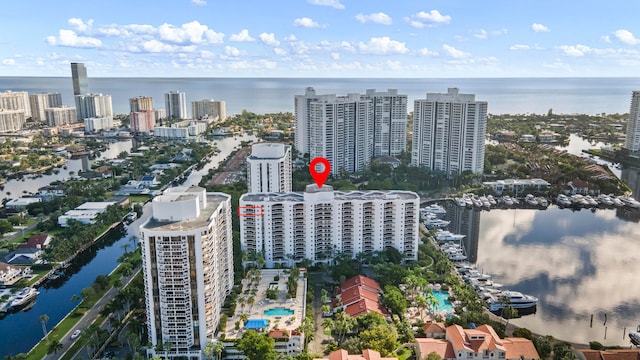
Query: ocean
(271, 95)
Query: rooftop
(213, 201)
(337, 195)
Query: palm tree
(54, 347)
(44, 318)
(244, 318)
(432, 301)
(509, 312)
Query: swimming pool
(443, 303)
(279, 311)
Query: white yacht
(531, 200)
(457, 257)
(467, 200)
(460, 201)
(629, 201)
(507, 200)
(579, 200)
(444, 235)
(492, 200)
(563, 200)
(485, 202)
(616, 202)
(542, 202)
(515, 299)
(591, 201)
(24, 297)
(476, 201)
(434, 209)
(605, 200)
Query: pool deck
(261, 303)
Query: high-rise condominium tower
(40, 102)
(141, 103)
(187, 260)
(269, 168)
(389, 122)
(632, 142)
(448, 132)
(79, 78)
(321, 223)
(93, 105)
(175, 103)
(213, 110)
(338, 128)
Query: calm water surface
(577, 263)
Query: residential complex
(175, 103)
(188, 268)
(93, 105)
(213, 110)
(448, 132)
(79, 78)
(141, 103)
(319, 223)
(63, 115)
(97, 124)
(269, 168)
(183, 130)
(142, 121)
(40, 102)
(389, 122)
(11, 120)
(632, 142)
(479, 343)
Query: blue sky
(321, 38)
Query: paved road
(316, 346)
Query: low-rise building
(516, 185)
(367, 354)
(85, 213)
(96, 124)
(22, 203)
(359, 295)
(10, 274)
(37, 241)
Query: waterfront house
(367, 354)
(10, 274)
(27, 256)
(613, 354)
(516, 186)
(48, 193)
(85, 213)
(37, 241)
(577, 186)
(479, 343)
(22, 203)
(547, 136)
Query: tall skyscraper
(187, 259)
(269, 168)
(213, 110)
(61, 115)
(93, 105)
(40, 102)
(632, 142)
(301, 103)
(321, 222)
(175, 103)
(79, 78)
(142, 121)
(141, 103)
(448, 132)
(389, 122)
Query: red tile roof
(35, 242)
(431, 327)
(361, 281)
(633, 354)
(363, 307)
(521, 348)
(367, 354)
(425, 346)
(356, 294)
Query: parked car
(75, 334)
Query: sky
(321, 38)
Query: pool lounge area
(443, 304)
(279, 311)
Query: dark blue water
(22, 330)
(264, 95)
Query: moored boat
(24, 297)
(515, 299)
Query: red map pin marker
(320, 177)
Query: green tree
(5, 227)
(381, 338)
(433, 356)
(394, 300)
(257, 346)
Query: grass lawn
(38, 274)
(138, 198)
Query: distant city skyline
(322, 38)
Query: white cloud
(8, 61)
(519, 47)
(242, 36)
(575, 50)
(335, 56)
(280, 51)
(231, 51)
(428, 19)
(269, 39)
(378, 18)
(606, 39)
(333, 3)
(71, 39)
(80, 25)
(455, 53)
(539, 28)
(192, 32)
(626, 37)
(199, 2)
(307, 23)
(481, 34)
(427, 52)
(382, 46)
(155, 46)
(394, 65)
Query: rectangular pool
(279, 311)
